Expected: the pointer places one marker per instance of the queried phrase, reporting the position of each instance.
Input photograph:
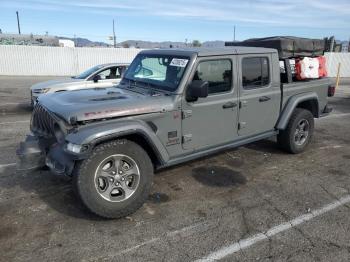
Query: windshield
(88, 72)
(163, 72)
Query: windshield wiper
(131, 82)
(151, 87)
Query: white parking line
(2, 167)
(15, 103)
(330, 147)
(334, 116)
(248, 242)
(188, 230)
(14, 122)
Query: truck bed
(318, 86)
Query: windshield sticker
(179, 62)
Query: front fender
(105, 130)
(291, 104)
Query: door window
(218, 73)
(255, 72)
(110, 73)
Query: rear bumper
(326, 111)
(32, 155)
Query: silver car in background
(100, 76)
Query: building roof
(211, 51)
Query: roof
(114, 64)
(211, 51)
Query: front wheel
(298, 132)
(115, 180)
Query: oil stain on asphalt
(218, 176)
(6, 232)
(157, 198)
(337, 172)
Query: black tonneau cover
(287, 46)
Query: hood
(92, 104)
(50, 83)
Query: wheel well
(311, 105)
(141, 141)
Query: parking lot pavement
(254, 203)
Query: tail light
(331, 90)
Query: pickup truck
(170, 107)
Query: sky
(177, 20)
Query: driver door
(211, 121)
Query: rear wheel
(115, 180)
(298, 132)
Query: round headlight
(74, 148)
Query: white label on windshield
(179, 62)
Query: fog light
(73, 148)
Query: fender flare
(104, 131)
(291, 104)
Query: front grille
(42, 122)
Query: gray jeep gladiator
(170, 107)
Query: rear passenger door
(259, 100)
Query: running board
(202, 153)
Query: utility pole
(332, 39)
(114, 39)
(19, 28)
(234, 34)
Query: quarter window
(255, 72)
(218, 73)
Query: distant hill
(83, 42)
(167, 44)
(217, 43)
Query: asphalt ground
(254, 203)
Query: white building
(66, 43)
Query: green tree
(196, 43)
(126, 45)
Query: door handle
(264, 99)
(229, 105)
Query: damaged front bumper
(30, 154)
(33, 154)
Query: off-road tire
(286, 138)
(84, 179)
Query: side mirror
(197, 89)
(96, 78)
